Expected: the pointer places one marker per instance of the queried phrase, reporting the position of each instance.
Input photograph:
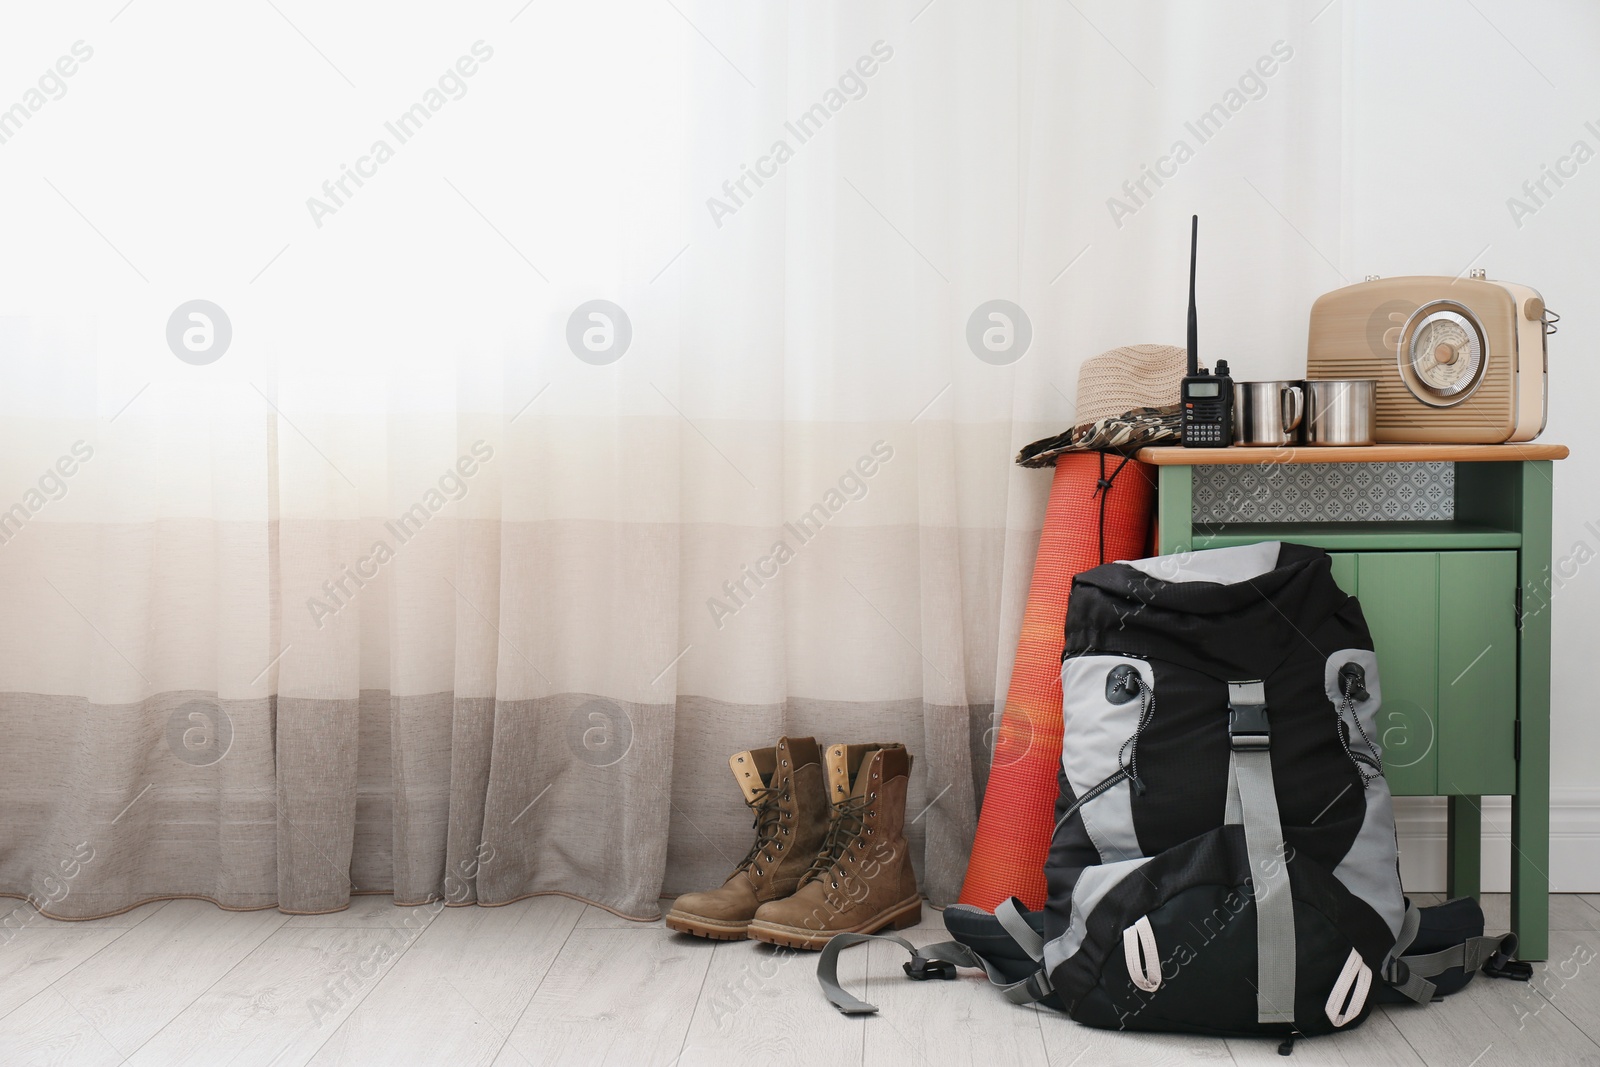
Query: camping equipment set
(1225, 863)
(1223, 859)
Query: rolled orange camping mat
(1018, 815)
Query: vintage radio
(1457, 360)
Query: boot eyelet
(869, 829)
(780, 846)
(784, 763)
(835, 885)
(873, 796)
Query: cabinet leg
(1530, 807)
(1530, 882)
(1464, 854)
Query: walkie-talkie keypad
(1204, 425)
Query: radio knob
(1533, 309)
(1445, 354)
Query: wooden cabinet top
(1177, 456)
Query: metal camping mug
(1266, 413)
(1341, 411)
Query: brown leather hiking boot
(783, 786)
(861, 879)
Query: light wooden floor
(553, 981)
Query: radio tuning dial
(1443, 351)
(1533, 309)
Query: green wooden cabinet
(1465, 670)
(1444, 625)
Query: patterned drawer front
(1323, 492)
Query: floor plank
(456, 995)
(32, 958)
(49, 1031)
(964, 1021)
(1494, 1022)
(762, 1004)
(281, 1002)
(612, 996)
(140, 982)
(1569, 982)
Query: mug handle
(1291, 422)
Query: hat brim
(1123, 434)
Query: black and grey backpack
(1224, 858)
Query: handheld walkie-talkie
(1207, 398)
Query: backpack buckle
(921, 970)
(1499, 965)
(1247, 716)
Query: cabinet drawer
(1444, 627)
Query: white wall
(1448, 113)
(1388, 144)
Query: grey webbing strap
(1470, 955)
(1234, 814)
(1415, 987)
(1250, 773)
(1011, 920)
(828, 970)
(1409, 925)
(1475, 952)
(1035, 987)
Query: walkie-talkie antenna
(1194, 340)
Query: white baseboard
(1574, 842)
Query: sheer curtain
(578, 394)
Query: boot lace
(766, 824)
(844, 827)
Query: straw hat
(1133, 376)
(1127, 398)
